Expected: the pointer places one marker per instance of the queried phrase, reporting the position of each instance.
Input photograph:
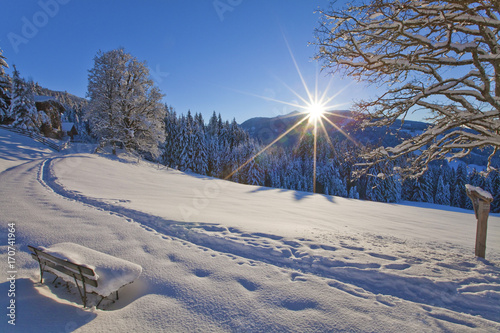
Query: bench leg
(41, 270)
(83, 295)
(102, 297)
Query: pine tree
(22, 105)
(495, 191)
(200, 159)
(459, 196)
(171, 132)
(353, 193)
(442, 193)
(213, 128)
(214, 157)
(255, 174)
(186, 140)
(4, 89)
(421, 190)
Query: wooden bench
(102, 274)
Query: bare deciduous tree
(442, 56)
(125, 107)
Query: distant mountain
(266, 130)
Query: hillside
(268, 129)
(219, 256)
(69, 101)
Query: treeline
(219, 148)
(215, 149)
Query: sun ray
(337, 114)
(325, 91)
(325, 132)
(315, 153)
(304, 131)
(341, 131)
(316, 81)
(267, 98)
(265, 148)
(294, 92)
(315, 108)
(334, 95)
(298, 69)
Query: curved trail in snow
(359, 278)
(177, 286)
(186, 287)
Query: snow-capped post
(481, 200)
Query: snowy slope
(219, 256)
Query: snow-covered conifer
(22, 106)
(4, 89)
(459, 196)
(200, 159)
(495, 191)
(442, 193)
(213, 129)
(168, 156)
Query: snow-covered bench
(92, 271)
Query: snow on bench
(92, 271)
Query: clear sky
(204, 55)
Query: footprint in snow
(173, 258)
(354, 248)
(201, 273)
(292, 243)
(382, 256)
(328, 248)
(398, 267)
(248, 285)
(264, 235)
(299, 305)
(298, 277)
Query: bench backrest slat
(66, 271)
(64, 266)
(70, 265)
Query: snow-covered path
(201, 277)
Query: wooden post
(481, 202)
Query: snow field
(245, 259)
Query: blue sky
(204, 55)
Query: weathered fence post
(481, 202)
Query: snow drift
(219, 256)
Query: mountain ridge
(268, 129)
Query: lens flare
(315, 108)
(315, 111)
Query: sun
(315, 110)
(313, 106)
